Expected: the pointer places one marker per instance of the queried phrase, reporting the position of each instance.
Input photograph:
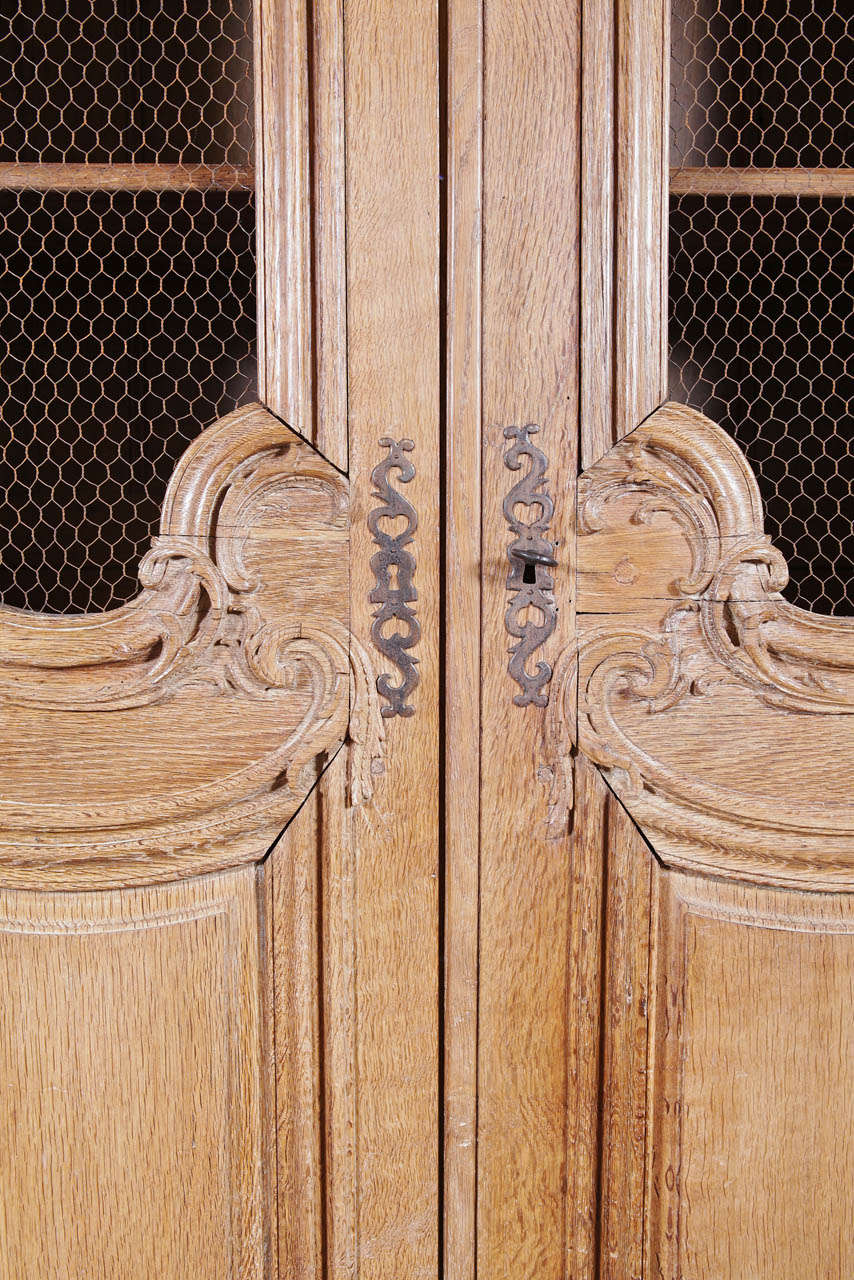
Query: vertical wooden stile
(283, 234)
(598, 208)
(392, 195)
(464, 179)
(641, 213)
(529, 375)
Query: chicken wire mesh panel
(127, 317)
(127, 324)
(144, 81)
(762, 83)
(762, 341)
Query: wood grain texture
(391, 97)
(751, 1081)
(238, 641)
(710, 181)
(463, 446)
(625, 1000)
(640, 368)
(598, 231)
(293, 893)
(143, 1024)
(283, 222)
(685, 646)
(337, 848)
(299, 79)
(329, 280)
(134, 1091)
(584, 1017)
(529, 375)
(126, 177)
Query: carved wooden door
(425, 823)
(660, 1076)
(211, 429)
(714, 683)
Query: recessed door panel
(135, 1083)
(751, 1124)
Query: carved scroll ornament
(531, 613)
(720, 713)
(395, 629)
(224, 682)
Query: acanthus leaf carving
(693, 681)
(680, 464)
(196, 620)
(225, 627)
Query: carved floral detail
(366, 733)
(681, 464)
(196, 620)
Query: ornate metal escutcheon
(531, 557)
(394, 568)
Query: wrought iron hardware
(394, 568)
(531, 555)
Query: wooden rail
(762, 182)
(126, 177)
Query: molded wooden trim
(709, 181)
(686, 646)
(242, 620)
(126, 177)
(640, 298)
(387, 1223)
(529, 370)
(462, 709)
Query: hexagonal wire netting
(763, 83)
(127, 317)
(762, 287)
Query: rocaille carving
(711, 637)
(679, 463)
(230, 609)
(196, 619)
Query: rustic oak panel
(529, 374)
(132, 1132)
(752, 1080)
(462, 703)
(392, 200)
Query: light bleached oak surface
(751, 1132)
(212, 1068)
(134, 1083)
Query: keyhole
(529, 575)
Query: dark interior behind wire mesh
(761, 328)
(127, 318)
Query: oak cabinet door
(205, 443)
(426, 835)
(715, 659)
